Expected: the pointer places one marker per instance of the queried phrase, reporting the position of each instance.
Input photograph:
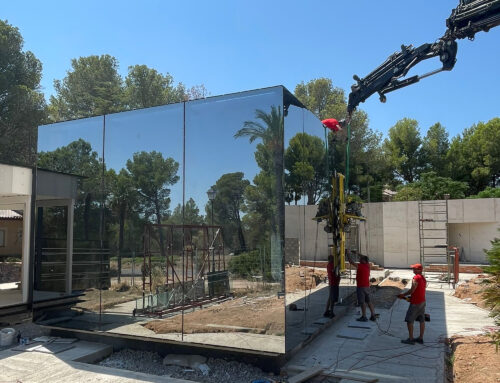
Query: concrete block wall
(390, 236)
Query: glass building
(172, 224)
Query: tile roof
(10, 214)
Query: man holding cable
(416, 311)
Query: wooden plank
(304, 375)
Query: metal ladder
(433, 233)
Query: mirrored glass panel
(143, 186)
(233, 223)
(71, 256)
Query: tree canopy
(22, 104)
(430, 186)
(474, 157)
(228, 205)
(146, 87)
(403, 149)
(152, 175)
(92, 87)
(306, 167)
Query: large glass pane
(71, 256)
(297, 277)
(144, 162)
(233, 223)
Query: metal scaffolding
(433, 237)
(178, 259)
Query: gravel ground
(220, 370)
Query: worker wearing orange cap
(416, 311)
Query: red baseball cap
(332, 124)
(416, 266)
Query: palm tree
(269, 128)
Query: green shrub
(251, 263)
(489, 192)
(491, 294)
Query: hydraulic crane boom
(470, 17)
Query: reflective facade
(169, 222)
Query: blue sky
(230, 46)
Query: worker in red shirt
(363, 287)
(334, 282)
(416, 311)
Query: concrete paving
(67, 366)
(381, 354)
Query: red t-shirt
(418, 295)
(333, 280)
(363, 275)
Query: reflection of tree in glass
(78, 158)
(270, 131)
(191, 214)
(121, 199)
(227, 206)
(305, 162)
(151, 175)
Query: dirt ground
(473, 360)
(260, 315)
(113, 296)
(471, 291)
(385, 293)
(301, 278)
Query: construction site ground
(378, 352)
(471, 358)
(368, 353)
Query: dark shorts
(334, 294)
(415, 313)
(363, 294)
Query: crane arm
(470, 17)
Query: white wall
(472, 239)
(390, 237)
(371, 232)
(15, 180)
(313, 239)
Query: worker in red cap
(416, 311)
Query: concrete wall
(390, 236)
(15, 180)
(312, 237)
(472, 239)
(371, 232)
